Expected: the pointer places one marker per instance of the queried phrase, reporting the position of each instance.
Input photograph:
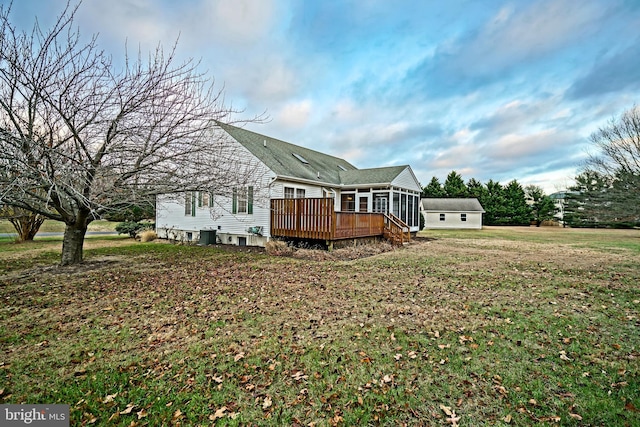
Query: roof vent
(264, 143)
(342, 167)
(299, 157)
(318, 174)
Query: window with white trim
(289, 192)
(190, 203)
(242, 202)
(441, 217)
(294, 193)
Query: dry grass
(278, 248)
(148, 236)
(501, 327)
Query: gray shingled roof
(371, 176)
(280, 157)
(452, 205)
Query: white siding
(452, 220)
(310, 191)
(407, 180)
(172, 223)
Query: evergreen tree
(493, 203)
(454, 185)
(517, 210)
(476, 189)
(433, 189)
(587, 202)
(542, 206)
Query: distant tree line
(607, 190)
(509, 204)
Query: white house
(452, 213)
(283, 171)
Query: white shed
(452, 213)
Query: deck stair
(396, 231)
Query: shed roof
(452, 205)
(293, 161)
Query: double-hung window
(190, 203)
(242, 200)
(289, 192)
(294, 193)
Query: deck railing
(316, 218)
(396, 230)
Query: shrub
(132, 228)
(277, 247)
(148, 236)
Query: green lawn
(494, 327)
(50, 226)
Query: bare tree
(617, 146)
(80, 139)
(617, 161)
(26, 223)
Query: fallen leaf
(507, 418)
(177, 414)
(575, 416)
(238, 356)
(446, 409)
(109, 398)
(563, 356)
(267, 403)
(220, 413)
(128, 410)
(453, 420)
(629, 407)
(398, 356)
(141, 414)
(299, 376)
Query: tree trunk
(72, 243)
(27, 225)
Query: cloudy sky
(492, 89)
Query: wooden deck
(317, 219)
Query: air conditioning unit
(207, 237)
(255, 230)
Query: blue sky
(492, 89)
